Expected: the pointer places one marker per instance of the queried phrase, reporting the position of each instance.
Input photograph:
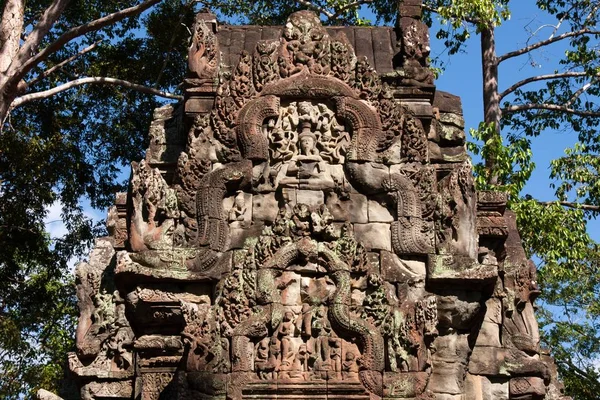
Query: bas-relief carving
(307, 244)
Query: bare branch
(349, 6)
(560, 22)
(591, 13)
(19, 101)
(546, 42)
(585, 207)
(315, 7)
(540, 78)
(579, 92)
(80, 31)
(550, 107)
(61, 64)
(49, 17)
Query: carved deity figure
(239, 208)
(104, 313)
(307, 46)
(321, 328)
(350, 367)
(261, 359)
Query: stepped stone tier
(305, 226)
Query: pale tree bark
(11, 27)
(18, 58)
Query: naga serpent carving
(213, 229)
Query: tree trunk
(11, 28)
(491, 97)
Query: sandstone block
(313, 198)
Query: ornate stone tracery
(317, 236)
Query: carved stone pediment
(317, 235)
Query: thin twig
(585, 207)
(349, 6)
(321, 10)
(579, 92)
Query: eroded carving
(203, 54)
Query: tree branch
(470, 20)
(540, 78)
(50, 71)
(579, 92)
(41, 29)
(19, 101)
(349, 6)
(80, 31)
(550, 107)
(546, 42)
(321, 10)
(568, 204)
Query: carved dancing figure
(336, 356)
(104, 313)
(287, 329)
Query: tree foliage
(66, 148)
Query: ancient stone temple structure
(305, 226)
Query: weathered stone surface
(482, 388)
(447, 103)
(394, 269)
(451, 135)
(454, 154)
(264, 207)
(459, 269)
(313, 198)
(316, 235)
(354, 209)
(379, 212)
(374, 236)
(456, 120)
